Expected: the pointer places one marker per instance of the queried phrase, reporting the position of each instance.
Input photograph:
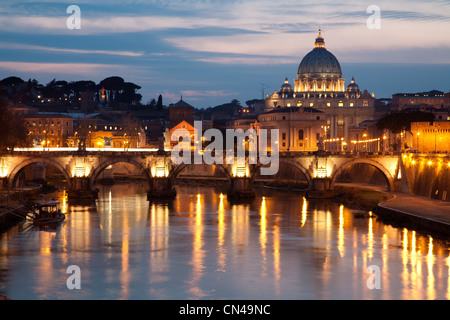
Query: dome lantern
(320, 42)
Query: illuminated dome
(353, 87)
(319, 62)
(286, 87)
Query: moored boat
(48, 215)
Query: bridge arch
(107, 162)
(377, 165)
(289, 162)
(178, 169)
(13, 176)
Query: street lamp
(435, 135)
(418, 134)
(365, 138)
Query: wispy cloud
(85, 69)
(207, 93)
(248, 60)
(21, 46)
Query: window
(365, 103)
(283, 135)
(318, 118)
(284, 144)
(300, 134)
(351, 104)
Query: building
(180, 111)
(110, 139)
(432, 99)
(319, 84)
(300, 128)
(186, 127)
(113, 130)
(49, 130)
(431, 136)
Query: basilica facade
(319, 85)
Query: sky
(213, 51)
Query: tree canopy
(64, 92)
(396, 122)
(13, 130)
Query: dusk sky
(214, 51)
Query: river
(200, 246)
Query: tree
(57, 90)
(77, 87)
(13, 130)
(11, 81)
(128, 93)
(159, 104)
(397, 122)
(112, 85)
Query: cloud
(207, 93)
(85, 69)
(248, 60)
(347, 40)
(67, 50)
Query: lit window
(351, 104)
(311, 104)
(341, 104)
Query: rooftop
(293, 109)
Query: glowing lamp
(79, 171)
(321, 172)
(241, 172)
(3, 172)
(160, 172)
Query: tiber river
(279, 246)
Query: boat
(48, 215)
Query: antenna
(263, 89)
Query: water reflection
(202, 247)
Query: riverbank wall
(400, 218)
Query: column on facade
(293, 138)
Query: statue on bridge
(320, 144)
(82, 144)
(161, 142)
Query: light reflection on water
(199, 246)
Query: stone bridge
(82, 169)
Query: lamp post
(365, 139)
(435, 136)
(418, 134)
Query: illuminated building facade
(432, 99)
(49, 130)
(299, 127)
(431, 137)
(180, 111)
(319, 84)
